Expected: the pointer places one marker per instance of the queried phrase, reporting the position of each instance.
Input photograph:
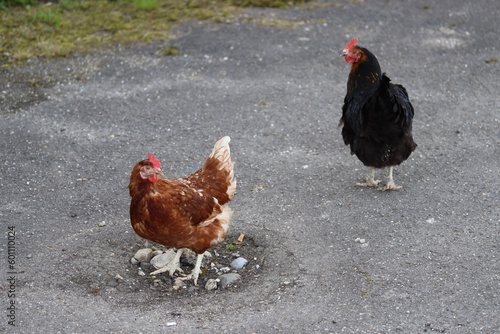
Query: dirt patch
(104, 270)
(212, 267)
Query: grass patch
(57, 29)
(231, 247)
(46, 16)
(147, 4)
(10, 3)
(170, 51)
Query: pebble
(160, 261)
(211, 284)
(143, 255)
(171, 324)
(140, 272)
(134, 261)
(178, 283)
(225, 270)
(118, 277)
(102, 224)
(239, 263)
(228, 279)
(146, 266)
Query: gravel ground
(72, 129)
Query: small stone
(146, 266)
(143, 255)
(102, 224)
(224, 270)
(160, 261)
(362, 241)
(118, 277)
(134, 261)
(140, 272)
(239, 263)
(178, 283)
(228, 279)
(171, 324)
(29, 256)
(357, 240)
(211, 284)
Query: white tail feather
(222, 153)
(221, 149)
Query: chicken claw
(173, 266)
(390, 183)
(370, 180)
(390, 186)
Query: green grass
(146, 4)
(48, 17)
(30, 30)
(10, 3)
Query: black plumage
(376, 116)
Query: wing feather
(402, 105)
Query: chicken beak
(158, 171)
(343, 54)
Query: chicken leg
(390, 182)
(370, 180)
(173, 266)
(195, 273)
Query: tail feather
(222, 153)
(221, 149)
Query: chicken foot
(195, 273)
(390, 185)
(172, 266)
(370, 180)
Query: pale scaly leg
(390, 182)
(195, 273)
(172, 266)
(370, 180)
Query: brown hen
(189, 212)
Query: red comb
(352, 43)
(154, 161)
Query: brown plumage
(376, 117)
(189, 212)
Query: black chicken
(377, 116)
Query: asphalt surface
(72, 129)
